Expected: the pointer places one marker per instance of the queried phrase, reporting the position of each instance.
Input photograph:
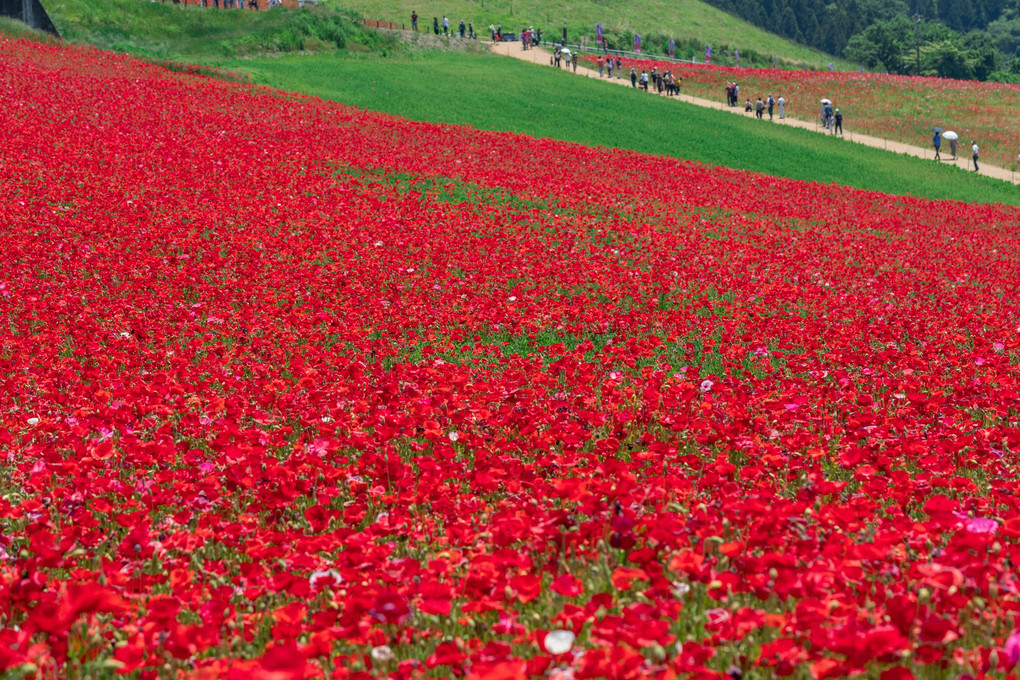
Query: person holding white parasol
(952, 138)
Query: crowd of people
(242, 4)
(661, 82)
(464, 30)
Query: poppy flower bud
(509, 593)
(773, 573)
(993, 659)
(657, 653)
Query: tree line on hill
(977, 39)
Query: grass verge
(496, 93)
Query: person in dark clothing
(759, 108)
(838, 117)
(462, 29)
(771, 103)
(435, 25)
(936, 141)
(633, 77)
(414, 21)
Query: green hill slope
(455, 88)
(169, 31)
(164, 29)
(656, 20)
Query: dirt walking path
(541, 56)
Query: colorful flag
(736, 53)
(670, 48)
(598, 33)
(708, 53)
(637, 42)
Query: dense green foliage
(441, 87)
(970, 39)
(899, 46)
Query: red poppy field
(293, 390)
(903, 108)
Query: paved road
(541, 56)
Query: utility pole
(917, 40)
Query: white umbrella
(826, 101)
(564, 50)
(950, 135)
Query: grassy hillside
(166, 30)
(679, 19)
(457, 88)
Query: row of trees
(898, 46)
(959, 38)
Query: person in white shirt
(974, 152)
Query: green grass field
(191, 33)
(679, 19)
(498, 93)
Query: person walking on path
(782, 108)
(771, 102)
(435, 25)
(952, 147)
(619, 67)
(414, 21)
(838, 118)
(974, 152)
(446, 26)
(463, 29)
(936, 141)
(609, 65)
(602, 66)
(759, 108)
(574, 63)
(633, 77)
(644, 80)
